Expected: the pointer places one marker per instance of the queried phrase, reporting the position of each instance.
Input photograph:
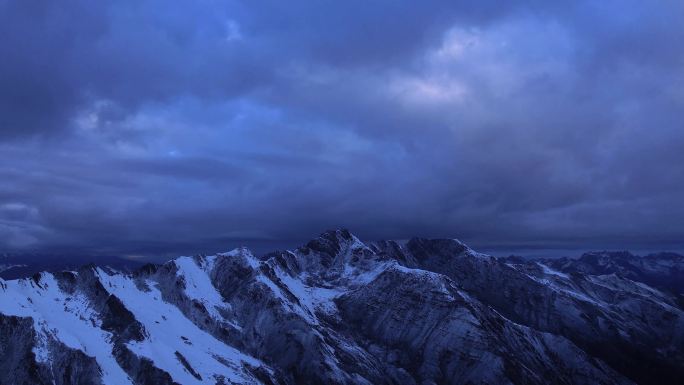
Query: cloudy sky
(151, 127)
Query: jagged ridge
(339, 311)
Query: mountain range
(341, 311)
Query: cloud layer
(149, 127)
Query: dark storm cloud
(149, 127)
(59, 57)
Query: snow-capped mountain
(338, 311)
(664, 271)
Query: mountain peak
(449, 246)
(339, 235)
(332, 242)
(241, 251)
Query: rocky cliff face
(338, 311)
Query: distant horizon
(261, 247)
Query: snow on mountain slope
(335, 311)
(198, 285)
(67, 319)
(170, 335)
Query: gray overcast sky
(156, 127)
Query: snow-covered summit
(338, 311)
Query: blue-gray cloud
(149, 127)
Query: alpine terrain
(340, 311)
